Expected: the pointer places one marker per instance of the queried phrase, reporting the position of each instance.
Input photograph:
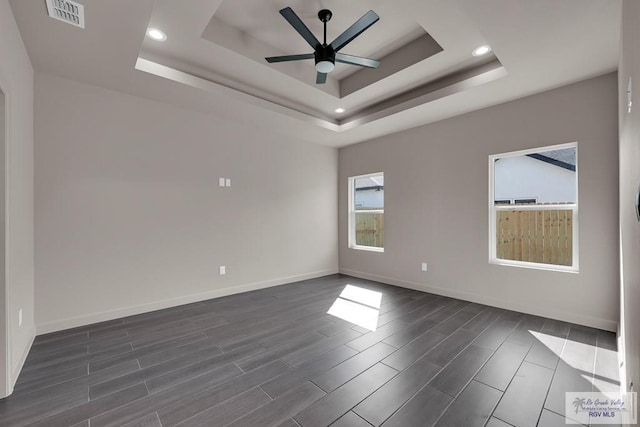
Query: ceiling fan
(325, 54)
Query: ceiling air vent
(66, 11)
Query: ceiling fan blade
(286, 58)
(321, 78)
(357, 60)
(367, 20)
(299, 26)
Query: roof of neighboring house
(370, 183)
(564, 158)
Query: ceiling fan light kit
(326, 55)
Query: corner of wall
(22, 359)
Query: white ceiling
(213, 60)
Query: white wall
(629, 185)
(523, 177)
(16, 81)
(129, 215)
(436, 204)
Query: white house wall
(524, 177)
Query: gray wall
(16, 81)
(130, 217)
(629, 185)
(436, 207)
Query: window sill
(366, 248)
(535, 266)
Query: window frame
(352, 214)
(493, 210)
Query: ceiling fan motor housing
(325, 53)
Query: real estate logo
(600, 408)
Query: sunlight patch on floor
(358, 306)
(596, 365)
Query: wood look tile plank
(422, 410)
(546, 353)
(340, 374)
(87, 410)
(276, 353)
(503, 365)
(164, 399)
(34, 412)
(303, 355)
(45, 368)
(53, 378)
(350, 420)
(229, 410)
(33, 396)
(495, 422)
(203, 398)
(425, 311)
(289, 423)
(413, 351)
(410, 333)
(334, 405)
(390, 397)
(482, 320)
(531, 381)
(150, 420)
(283, 383)
(496, 334)
(204, 345)
(164, 345)
(367, 340)
(556, 328)
(299, 330)
(158, 376)
(457, 374)
(472, 408)
(280, 409)
(450, 347)
(566, 378)
(551, 419)
(454, 322)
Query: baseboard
(594, 322)
(73, 322)
(23, 358)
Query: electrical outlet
(221, 182)
(20, 317)
(223, 270)
(228, 182)
(424, 266)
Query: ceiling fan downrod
(325, 16)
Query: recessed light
(481, 50)
(156, 34)
(340, 110)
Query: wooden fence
(541, 236)
(370, 229)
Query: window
(533, 208)
(366, 212)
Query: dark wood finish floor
(274, 357)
